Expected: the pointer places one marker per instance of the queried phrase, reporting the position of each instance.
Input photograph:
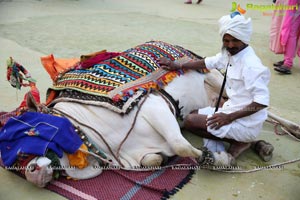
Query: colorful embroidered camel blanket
(120, 82)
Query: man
(241, 117)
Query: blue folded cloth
(34, 133)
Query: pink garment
(290, 33)
(277, 21)
(291, 45)
(285, 31)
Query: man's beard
(233, 50)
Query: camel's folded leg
(291, 127)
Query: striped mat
(127, 185)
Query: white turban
(238, 27)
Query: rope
(95, 155)
(132, 126)
(285, 131)
(122, 142)
(87, 126)
(277, 165)
(225, 169)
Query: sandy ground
(30, 29)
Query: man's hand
(218, 120)
(168, 64)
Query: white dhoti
(234, 130)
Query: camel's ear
(31, 103)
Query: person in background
(289, 36)
(190, 2)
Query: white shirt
(246, 82)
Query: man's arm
(246, 111)
(171, 65)
(221, 119)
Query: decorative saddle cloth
(120, 82)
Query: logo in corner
(236, 7)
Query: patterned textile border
(113, 82)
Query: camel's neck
(189, 90)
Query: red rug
(127, 185)
(120, 184)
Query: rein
(172, 103)
(132, 126)
(176, 111)
(99, 134)
(91, 128)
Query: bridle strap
(174, 103)
(222, 89)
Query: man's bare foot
(188, 2)
(237, 148)
(263, 149)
